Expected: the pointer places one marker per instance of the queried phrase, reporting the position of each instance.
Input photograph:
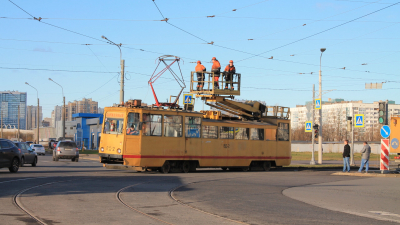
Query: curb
(365, 174)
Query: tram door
(193, 136)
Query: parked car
(28, 155)
(10, 155)
(66, 150)
(39, 149)
(29, 142)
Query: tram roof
(240, 122)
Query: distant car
(10, 155)
(66, 150)
(39, 149)
(28, 155)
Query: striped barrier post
(384, 154)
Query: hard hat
(198, 61)
(213, 58)
(230, 61)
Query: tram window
(283, 132)
(210, 132)
(226, 132)
(192, 126)
(113, 126)
(133, 124)
(256, 134)
(172, 126)
(270, 134)
(242, 133)
(152, 125)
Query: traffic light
(316, 130)
(349, 123)
(383, 113)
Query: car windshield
(37, 145)
(67, 144)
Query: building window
(283, 132)
(22, 97)
(270, 134)
(172, 126)
(242, 133)
(226, 132)
(192, 126)
(133, 124)
(256, 134)
(210, 132)
(152, 125)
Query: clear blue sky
(273, 25)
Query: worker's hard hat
(230, 61)
(198, 61)
(213, 58)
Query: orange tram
(154, 138)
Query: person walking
(200, 69)
(229, 71)
(216, 69)
(346, 156)
(365, 152)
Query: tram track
(16, 200)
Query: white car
(39, 149)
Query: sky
(361, 38)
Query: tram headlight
(119, 150)
(102, 149)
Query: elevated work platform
(207, 82)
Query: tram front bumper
(111, 158)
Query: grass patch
(298, 156)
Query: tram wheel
(166, 167)
(266, 166)
(186, 166)
(245, 169)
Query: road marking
(381, 213)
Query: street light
(320, 110)
(18, 115)
(37, 112)
(121, 92)
(63, 111)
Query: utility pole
(1, 123)
(312, 162)
(63, 118)
(121, 92)
(320, 111)
(352, 139)
(18, 122)
(37, 119)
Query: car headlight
(119, 150)
(102, 149)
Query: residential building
(46, 122)
(9, 102)
(31, 117)
(56, 115)
(335, 112)
(86, 105)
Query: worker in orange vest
(200, 69)
(216, 69)
(229, 71)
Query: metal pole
(63, 119)
(121, 93)
(320, 116)
(1, 123)
(37, 119)
(18, 122)
(352, 140)
(312, 162)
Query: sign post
(188, 99)
(385, 131)
(359, 120)
(318, 103)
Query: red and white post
(384, 155)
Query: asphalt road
(84, 192)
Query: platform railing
(208, 83)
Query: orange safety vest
(216, 65)
(230, 68)
(200, 67)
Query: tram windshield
(113, 125)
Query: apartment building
(86, 105)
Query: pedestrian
(365, 152)
(216, 69)
(200, 69)
(346, 156)
(229, 71)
